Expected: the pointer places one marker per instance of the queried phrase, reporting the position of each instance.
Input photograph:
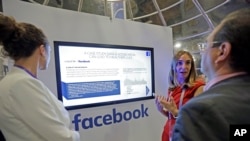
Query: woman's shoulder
(199, 82)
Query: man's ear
(42, 50)
(223, 52)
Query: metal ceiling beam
(164, 9)
(192, 18)
(80, 6)
(205, 16)
(160, 13)
(130, 10)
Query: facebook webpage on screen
(93, 75)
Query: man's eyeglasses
(203, 46)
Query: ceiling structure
(191, 20)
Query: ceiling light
(177, 45)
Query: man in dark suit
(226, 99)
(1, 137)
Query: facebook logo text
(111, 118)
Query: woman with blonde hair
(183, 85)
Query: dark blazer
(1, 136)
(208, 116)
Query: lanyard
(181, 100)
(169, 113)
(182, 97)
(23, 68)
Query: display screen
(90, 74)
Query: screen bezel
(95, 45)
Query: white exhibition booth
(65, 25)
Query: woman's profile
(29, 110)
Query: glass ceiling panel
(54, 3)
(218, 14)
(154, 19)
(38, 1)
(71, 5)
(166, 3)
(208, 4)
(190, 28)
(93, 7)
(180, 12)
(144, 7)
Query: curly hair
(19, 40)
